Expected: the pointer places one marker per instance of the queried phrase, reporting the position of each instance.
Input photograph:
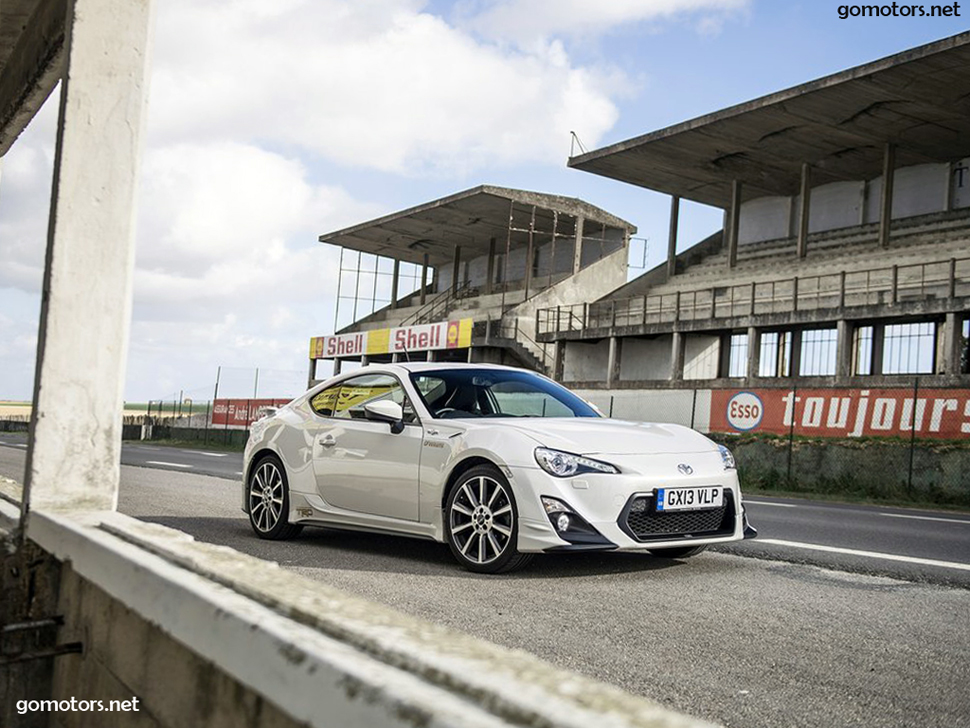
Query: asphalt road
(741, 641)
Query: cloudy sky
(271, 123)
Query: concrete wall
(701, 356)
(917, 190)
(644, 359)
(585, 362)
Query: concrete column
(431, 355)
(337, 363)
(677, 356)
(559, 361)
(878, 347)
(395, 357)
(613, 365)
(672, 236)
(455, 273)
(490, 269)
(843, 366)
(724, 355)
(804, 207)
(73, 457)
(395, 281)
(886, 208)
(735, 223)
(795, 365)
(754, 352)
(312, 373)
(364, 360)
(952, 344)
(471, 357)
(578, 253)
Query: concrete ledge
(322, 656)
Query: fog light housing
(562, 522)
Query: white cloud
(369, 84)
(525, 21)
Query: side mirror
(386, 411)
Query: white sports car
(500, 463)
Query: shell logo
(452, 336)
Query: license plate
(689, 499)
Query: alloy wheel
(482, 520)
(266, 494)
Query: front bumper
(619, 509)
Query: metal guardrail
(890, 285)
(438, 306)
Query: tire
(268, 501)
(482, 522)
(678, 552)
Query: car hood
(593, 436)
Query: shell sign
(426, 337)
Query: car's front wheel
(678, 552)
(482, 522)
(269, 501)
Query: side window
(347, 400)
(324, 402)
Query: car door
(360, 465)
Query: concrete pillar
(559, 361)
(754, 352)
(952, 344)
(677, 356)
(886, 208)
(490, 268)
(795, 365)
(336, 366)
(424, 279)
(364, 360)
(431, 355)
(735, 223)
(724, 355)
(613, 363)
(73, 457)
(804, 206)
(471, 357)
(312, 373)
(672, 236)
(844, 344)
(878, 347)
(395, 281)
(455, 273)
(395, 357)
(578, 254)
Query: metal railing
(438, 306)
(890, 285)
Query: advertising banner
(242, 412)
(882, 412)
(425, 337)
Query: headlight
(564, 464)
(727, 457)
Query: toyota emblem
(685, 469)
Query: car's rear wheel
(678, 552)
(269, 501)
(482, 522)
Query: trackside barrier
(297, 651)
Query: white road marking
(764, 503)
(867, 554)
(170, 465)
(926, 518)
(210, 454)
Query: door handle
(328, 441)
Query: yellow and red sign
(426, 337)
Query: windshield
(460, 393)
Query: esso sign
(744, 411)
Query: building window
(738, 360)
(909, 348)
(818, 352)
(775, 354)
(862, 351)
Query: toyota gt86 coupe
(497, 462)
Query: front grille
(640, 520)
